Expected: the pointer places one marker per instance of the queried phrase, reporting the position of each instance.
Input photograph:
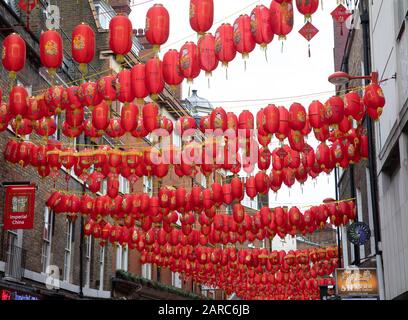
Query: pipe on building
(365, 22)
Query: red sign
(308, 31)
(19, 207)
(28, 5)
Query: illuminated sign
(13, 295)
(357, 282)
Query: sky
(287, 77)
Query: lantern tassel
(266, 54)
(322, 4)
(282, 47)
(226, 72)
(309, 50)
(209, 86)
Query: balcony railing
(15, 262)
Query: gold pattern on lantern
(79, 42)
(51, 48)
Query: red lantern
(272, 117)
(34, 112)
(246, 122)
(14, 54)
(74, 117)
(107, 89)
(296, 140)
(281, 18)
(120, 36)
(157, 26)
(354, 106)
(283, 130)
(88, 94)
(261, 182)
(5, 116)
(219, 120)
(334, 110)
(70, 99)
(51, 50)
(154, 77)
(100, 116)
(171, 68)
(208, 57)
(261, 26)
(297, 117)
(18, 102)
(129, 117)
(307, 8)
(124, 86)
(237, 189)
(189, 61)
(139, 82)
(374, 97)
(114, 130)
(83, 45)
(238, 213)
(46, 127)
(224, 44)
(201, 15)
(317, 116)
(243, 38)
(323, 155)
(151, 117)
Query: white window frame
(176, 281)
(148, 185)
(88, 256)
(68, 251)
(101, 267)
(147, 271)
(102, 15)
(47, 239)
(123, 185)
(122, 258)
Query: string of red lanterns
(294, 124)
(199, 206)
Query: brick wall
(33, 239)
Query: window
(176, 139)
(103, 16)
(147, 271)
(101, 266)
(47, 239)
(176, 281)
(123, 185)
(148, 185)
(401, 10)
(68, 250)
(88, 255)
(122, 258)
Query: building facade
(389, 56)
(378, 42)
(55, 244)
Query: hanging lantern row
(199, 206)
(250, 273)
(140, 120)
(287, 164)
(247, 31)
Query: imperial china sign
(19, 207)
(357, 282)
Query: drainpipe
(365, 20)
(336, 178)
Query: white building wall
(390, 56)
